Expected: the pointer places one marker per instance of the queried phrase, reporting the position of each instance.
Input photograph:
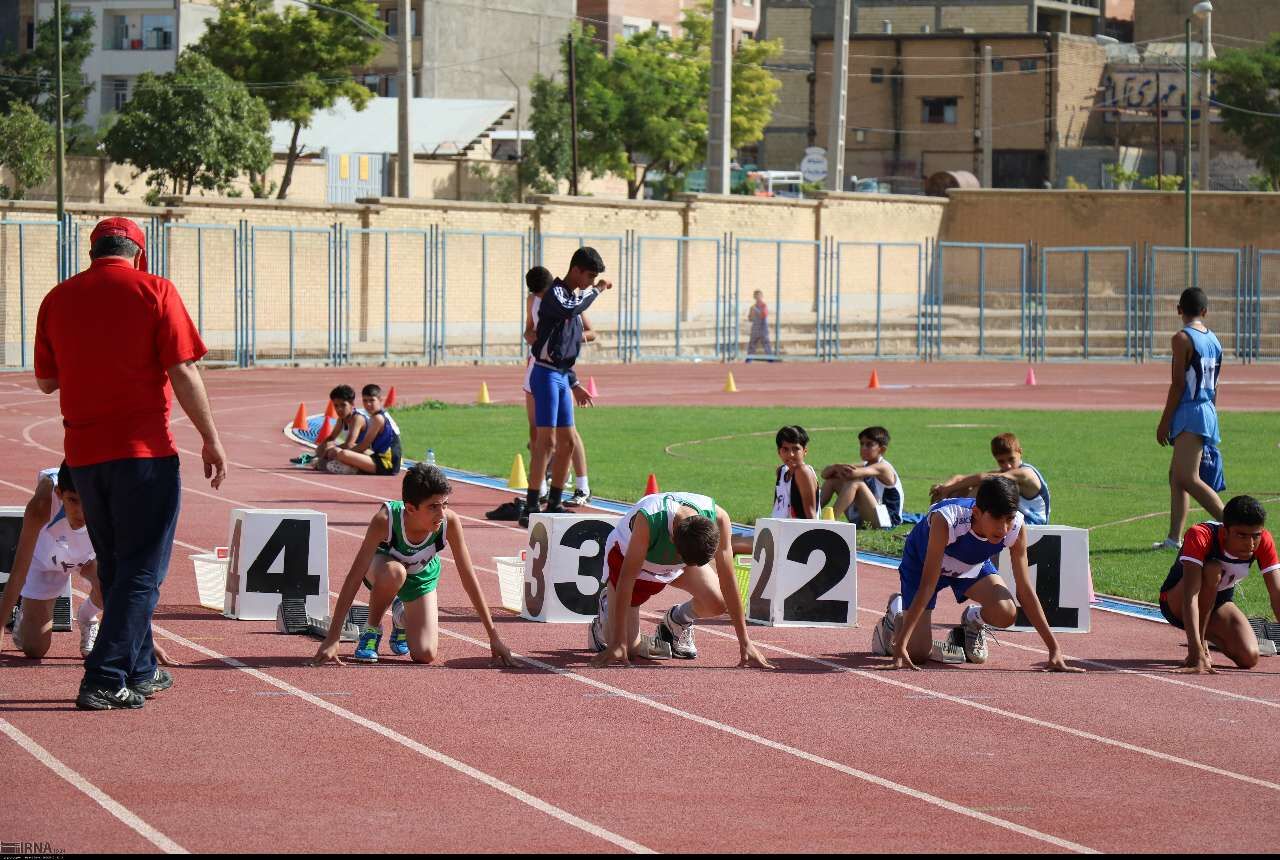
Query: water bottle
(431, 456)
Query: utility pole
(986, 117)
(404, 173)
(61, 134)
(573, 111)
(1205, 82)
(839, 99)
(718, 126)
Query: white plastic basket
(211, 579)
(511, 581)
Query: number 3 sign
(565, 566)
(1058, 558)
(275, 554)
(803, 574)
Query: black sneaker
(578, 499)
(96, 699)
(507, 511)
(524, 520)
(556, 509)
(159, 682)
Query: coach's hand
(749, 654)
(215, 462)
(612, 654)
(582, 396)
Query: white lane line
(821, 761)
(409, 743)
(881, 678)
(97, 795)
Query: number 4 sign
(1058, 559)
(275, 554)
(803, 574)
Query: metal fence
(285, 294)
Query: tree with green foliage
(194, 127)
(1249, 81)
(26, 148)
(645, 108)
(299, 61)
(28, 77)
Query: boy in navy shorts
(1215, 557)
(954, 548)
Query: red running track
(254, 751)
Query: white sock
(895, 606)
(972, 616)
(544, 489)
(87, 613)
(683, 614)
(580, 482)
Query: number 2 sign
(803, 574)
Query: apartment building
(1232, 19)
(614, 18)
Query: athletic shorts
(416, 584)
(644, 588)
(44, 584)
(388, 462)
(552, 398)
(1226, 596)
(909, 581)
(852, 515)
(1034, 519)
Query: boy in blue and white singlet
(955, 547)
(399, 560)
(858, 490)
(1033, 490)
(1190, 419)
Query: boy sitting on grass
(858, 490)
(399, 561)
(795, 489)
(1033, 490)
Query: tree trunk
(289, 161)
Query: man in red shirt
(118, 344)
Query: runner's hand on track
(327, 654)
(1058, 663)
(749, 654)
(613, 654)
(1193, 666)
(501, 653)
(901, 660)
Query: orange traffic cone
(330, 414)
(1031, 375)
(652, 487)
(875, 379)
(391, 398)
(300, 419)
(591, 387)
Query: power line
(1226, 106)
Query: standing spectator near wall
(758, 316)
(118, 344)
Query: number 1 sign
(276, 554)
(803, 574)
(1058, 558)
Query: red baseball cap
(125, 228)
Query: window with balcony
(939, 111)
(157, 32)
(115, 93)
(629, 30)
(138, 32)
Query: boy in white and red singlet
(668, 539)
(1201, 585)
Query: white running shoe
(88, 636)
(597, 640)
(680, 638)
(1167, 543)
(17, 627)
(972, 637)
(882, 636)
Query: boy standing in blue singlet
(1190, 418)
(1033, 490)
(953, 548)
(399, 562)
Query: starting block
(275, 555)
(10, 531)
(803, 574)
(564, 568)
(1058, 561)
(292, 618)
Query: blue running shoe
(367, 645)
(399, 638)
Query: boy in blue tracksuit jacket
(555, 349)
